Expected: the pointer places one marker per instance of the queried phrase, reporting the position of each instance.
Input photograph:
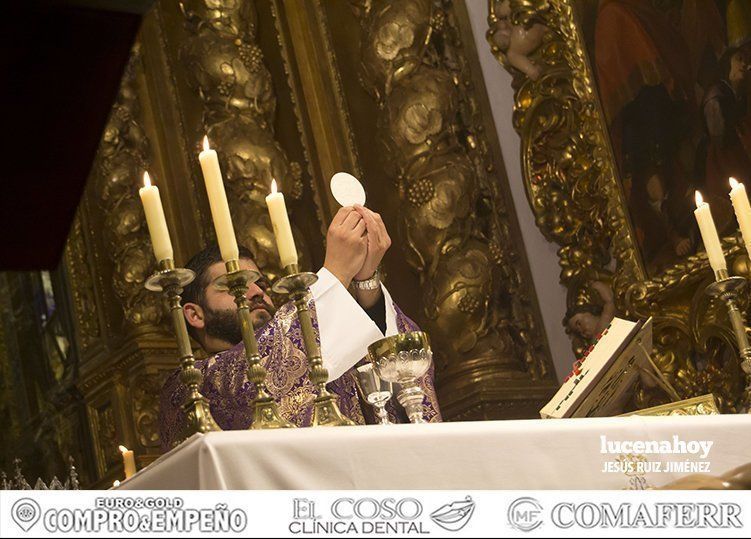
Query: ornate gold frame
(704, 405)
(574, 191)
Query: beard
(225, 324)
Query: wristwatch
(368, 284)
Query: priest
(351, 309)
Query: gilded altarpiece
(422, 127)
(296, 90)
(580, 200)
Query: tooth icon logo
(25, 512)
(454, 516)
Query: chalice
(375, 390)
(402, 359)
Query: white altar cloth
(519, 454)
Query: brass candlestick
(727, 289)
(171, 281)
(265, 410)
(326, 411)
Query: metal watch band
(368, 284)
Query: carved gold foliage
(104, 433)
(121, 161)
(81, 286)
(565, 158)
(704, 405)
(9, 373)
(145, 395)
(573, 189)
(226, 67)
(452, 216)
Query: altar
(591, 453)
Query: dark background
(60, 63)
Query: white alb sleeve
(344, 327)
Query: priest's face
(218, 317)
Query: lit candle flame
(734, 183)
(699, 199)
(273, 186)
(146, 179)
(123, 449)
(206, 146)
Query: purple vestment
(280, 344)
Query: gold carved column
(225, 65)
(424, 144)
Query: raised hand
(346, 245)
(378, 241)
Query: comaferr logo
(525, 514)
(658, 515)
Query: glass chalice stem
(411, 398)
(383, 416)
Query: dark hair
(200, 263)
(590, 308)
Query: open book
(602, 383)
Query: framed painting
(625, 108)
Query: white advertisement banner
(374, 513)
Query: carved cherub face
(502, 26)
(229, 18)
(584, 324)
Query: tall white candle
(152, 207)
(285, 242)
(212, 176)
(129, 461)
(709, 235)
(739, 198)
